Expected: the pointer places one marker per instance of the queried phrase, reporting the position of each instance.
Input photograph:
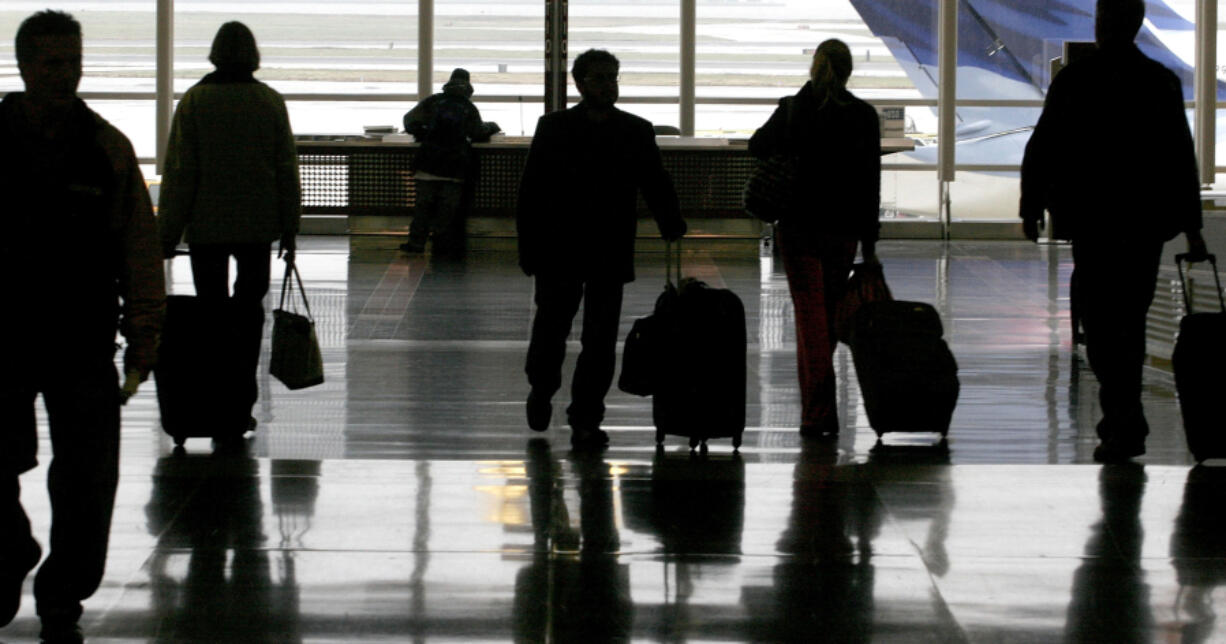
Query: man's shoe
(61, 632)
(413, 247)
(13, 576)
(1118, 451)
(540, 411)
(588, 438)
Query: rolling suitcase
(202, 385)
(701, 390)
(1200, 352)
(908, 376)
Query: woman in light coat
(230, 188)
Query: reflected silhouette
(1110, 600)
(694, 503)
(564, 595)
(211, 505)
(1198, 550)
(927, 495)
(295, 488)
(824, 590)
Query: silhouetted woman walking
(835, 141)
(231, 180)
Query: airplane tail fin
(1010, 39)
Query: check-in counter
(356, 175)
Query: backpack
(445, 149)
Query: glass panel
(645, 38)
(1220, 148)
(763, 51)
(502, 45)
(314, 46)
(118, 42)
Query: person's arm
(770, 139)
(142, 286)
(870, 169)
(417, 119)
(529, 201)
(657, 187)
(180, 178)
(1037, 163)
(1186, 200)
(479, 131)
(289, 186)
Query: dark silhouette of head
(48, 49)
(831, 65)
(459, 83)
(595, 73)
(1117, 21)
(234, 49)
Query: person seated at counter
(446, 124)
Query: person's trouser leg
(1116, 282)
(210, 274)
(250, 286)
(426, 211)
(808, 280)
(447, 228)
(83, 411)
(210, 270)
(602, 307)
(557, 301)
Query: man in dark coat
(444, 168)
(576, 221)
(63, 168)
(1118, 214)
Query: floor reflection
(824, 588)
(575, 589)
(1110, 597)
(1198, 551)
(209, 507)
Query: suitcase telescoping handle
(668, 263)
(1183, 283)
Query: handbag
(769, 193)
(867, 284)
(296, 360)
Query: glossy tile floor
(405, 500)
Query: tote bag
(296, 360)
(769, 192)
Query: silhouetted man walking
(1121, 197)
(576, 220)
(67, 174)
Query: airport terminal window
(313, 47)
(502, 45)
(763, 51)
(646, 38)
(118, 44)
(119, 55)
(1220, 148)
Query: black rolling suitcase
(1200, 352)
(201, 383)
(908, 376)
(699, 346)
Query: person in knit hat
(444, 168)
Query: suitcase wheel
(736, 441)
(179, 440)
(694, 440)
(659, 436)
